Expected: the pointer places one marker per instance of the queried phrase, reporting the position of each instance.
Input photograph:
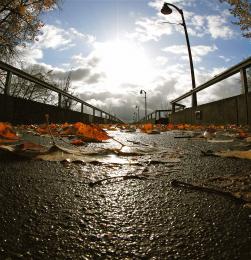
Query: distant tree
(29, 90)
(241, 9)
(20, 22)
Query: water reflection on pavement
(50, 211)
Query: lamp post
(134, 118)
(141, 92)
(166, 10)
(137, 107)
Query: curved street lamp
(166, 10)
(141, 92)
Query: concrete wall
(21, 111)
(234, 110)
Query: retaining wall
(234, 110)
(21, 111)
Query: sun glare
(124, 62)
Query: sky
(115, 48)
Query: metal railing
(238, 68)
(19, 73)
(155, 116)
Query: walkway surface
(53, 210)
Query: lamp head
(141, 91)
(166, 9)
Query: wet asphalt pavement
(48, 210)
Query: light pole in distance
(141, 92)
(137, 107)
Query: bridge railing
(238, 68)
(157, 116)
(12, 71)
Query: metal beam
(244, 82)
(7, 83)
(12, 70)
(231, 71)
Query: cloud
(197, 25)
(218, 28)
(157, 4)
(224, 89)
(29, 54)
(87, 38)
(58, 38)
(198, 51)
(161, 61)
(53, 37)
(96, 103)
(149, 29)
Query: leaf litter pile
(70, 143)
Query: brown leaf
(77, 142)
(234, 154)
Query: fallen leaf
(146, 128)
(243, 135)
(248, 139)
(77, 142)
(24, 149)
(234, 154)
(236, 187)
(170, 126)
(85, 131)
(220, 140)
(7, 133)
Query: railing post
(82, 107)
(93, 115)
(7, 83)
(173, 108)
(59, 100)
(244, 83)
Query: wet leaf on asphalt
(220, 140)
(24, 149)
(90, 132)
(234, 186)
(234, 154)
(7, 134)
(77, 142)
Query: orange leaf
(243, 134)
(67, 129)
(147, 128)
(170, 126)
(6, 132)
(91, 132)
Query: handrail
(227, 73)
(155, 112)
(27, 76)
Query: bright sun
(124, 62)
